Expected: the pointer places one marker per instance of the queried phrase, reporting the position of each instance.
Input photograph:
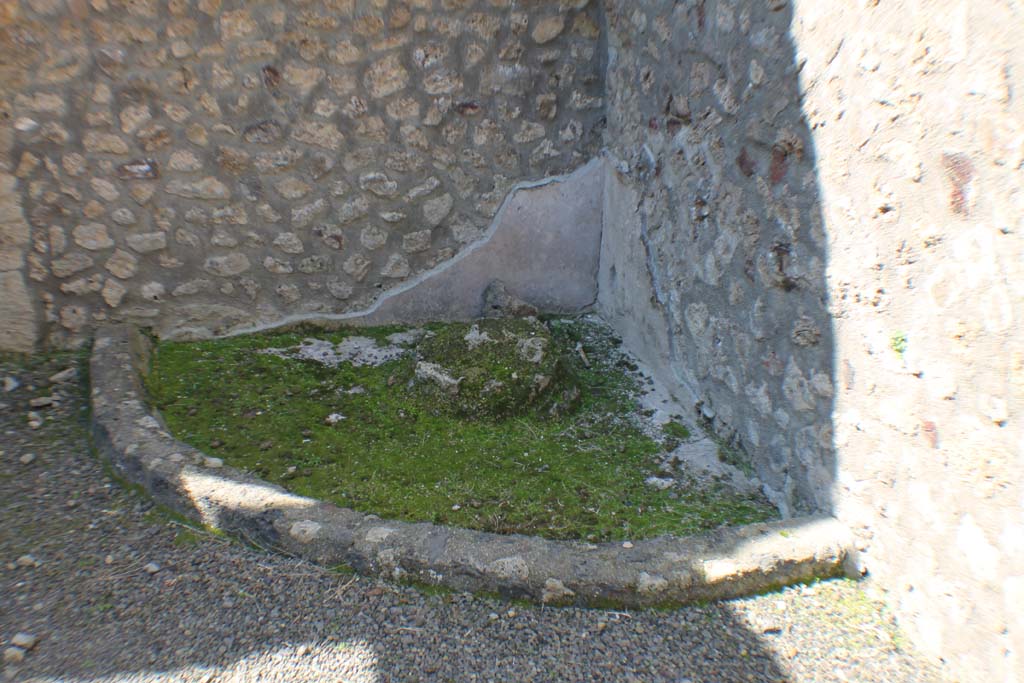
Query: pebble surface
(218, 611)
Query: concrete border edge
(725, 563)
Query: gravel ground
(114, 590)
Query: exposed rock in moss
(500, 303)
(495, 368)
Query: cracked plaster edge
(366, 314)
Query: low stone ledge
(725, 563)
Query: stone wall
(705, 129)
(812, 219)
(813, 215)
(213, 164)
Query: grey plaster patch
(697, 455)
(18, 332)
(358, 351)
(475, 337)
(724, 563)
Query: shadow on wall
(714, 255)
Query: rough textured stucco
(17, 316)
(228, 160)
(817, 210)
(919, 127)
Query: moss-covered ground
(566, 462)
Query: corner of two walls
(714, 233)
(812, 219)
(813, 215)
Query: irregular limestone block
(548, 29)
(386, 77)
(207, 188)
(72, 263)
(122, 264)
(227, 266)
(92, 236)
(104, 143)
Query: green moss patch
(510, 426)
(496, 369)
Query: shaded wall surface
(813, 217)
(720, 173)
(211, 164)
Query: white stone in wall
(278, 266)
(114, 293)
(416, 242)
(291, 187)
(358, 266)
(147, 242)
(207, 188)
(152, 291)
(92, 236)
(386, 77)
(228, 265)
(548, 28)
(307, 213)
(122, 264)
(397, 267)
(70, 264)
(184, 161)
(105, 189)
(373, 237)
(133, 117)
(319, 134)
(436, 210)
(104, 143)
(379, 184)
(289, 243)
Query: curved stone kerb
(723, 563)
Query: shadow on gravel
(217, 611)
(294, 624)
(709, 652)
(214, 611)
